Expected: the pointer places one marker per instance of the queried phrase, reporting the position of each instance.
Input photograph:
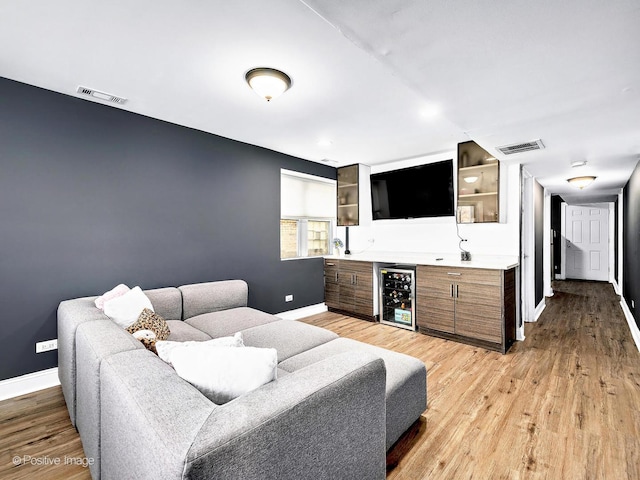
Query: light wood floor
(563, 404)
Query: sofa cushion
(182, 331)
(166, 301)
(207, 297)
(288, 337)
(406, 389)
(225, 373)
(228, 322)
(95, 342)
(124, 310)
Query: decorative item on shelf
(466, 214)
(470, 178)
(338, 245)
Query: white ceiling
(367, 74)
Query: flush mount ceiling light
(269, 83)
(581, 182)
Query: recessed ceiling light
(430, 111)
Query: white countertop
(493, 262)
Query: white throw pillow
(225, 373)
(125, 309)
(165, 348)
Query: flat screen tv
(414, 192)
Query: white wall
(438, 235)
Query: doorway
(585, 254)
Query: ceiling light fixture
(470, 179)
(581, 182)
(269, 83)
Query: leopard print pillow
(149, 320)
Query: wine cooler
(397, 296)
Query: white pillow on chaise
(225, 373)
(165, 348)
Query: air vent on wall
(521, 147)
(107, 97)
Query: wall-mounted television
(414, 192)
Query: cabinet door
(348, 200)
(363, 283)
(331, 287)
(435, 305)
(479, 311)
(356, 287)
(478, 184)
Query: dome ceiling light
(581, 182)
(269, 83)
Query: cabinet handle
(451, 290)
(457, 291)
(454, 273)
(330, 264)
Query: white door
(587, 242)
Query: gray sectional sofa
(335, 409)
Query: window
(307, 215)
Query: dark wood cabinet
(471, 305)
(348, 287)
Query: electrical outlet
(288, 298)
(47, 345)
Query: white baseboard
(633, 326)
(31, 382)
(616, 287)
(299, 313)
(541, 306)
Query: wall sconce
(581, 182)
(269, 83)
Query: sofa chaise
(334, 410)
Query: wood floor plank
(562, 404)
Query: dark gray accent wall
(630, 243)
(556, 231)
(538, 202)
(91, 196)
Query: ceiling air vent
(521, 147)
(107, 97)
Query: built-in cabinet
(470, 305)
(348, 200)
(478, 184)
(349, 287)
(476, 306)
